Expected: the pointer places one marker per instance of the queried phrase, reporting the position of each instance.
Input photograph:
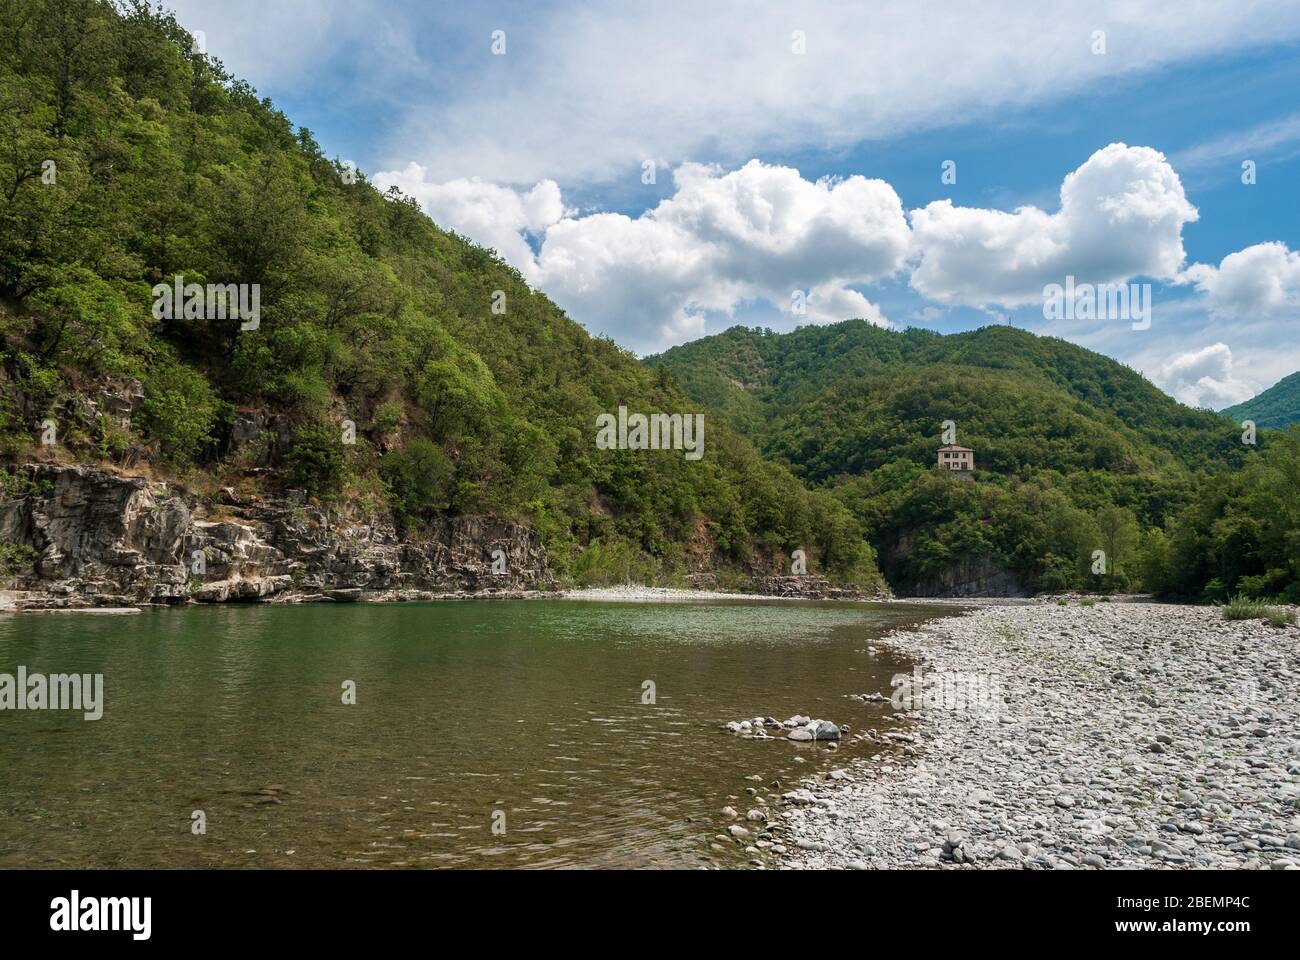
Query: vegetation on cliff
(128, 159)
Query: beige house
(961, 459)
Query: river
(524, 716)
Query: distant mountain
(1276, 407)
(1074, 452)
(840, 399)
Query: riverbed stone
(1074, 768)
(826, 730)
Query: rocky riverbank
(1131, 735)
(100, 539)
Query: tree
(1118, 530)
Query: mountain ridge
(1076, 456)
(1274, 408)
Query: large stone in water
(827, 731)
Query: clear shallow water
(463, 708)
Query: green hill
(1276, 407)
(1074, 452)
(1111, 416)
(129, 160)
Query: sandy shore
(640, 594)
(1130, 735)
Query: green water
(533, 708)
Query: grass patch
(1245, 608)
(1280, 617)
(1008, 637)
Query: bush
(388, 416)
(610, 563)
(14, 558)
(179, 410)
(1242, 607)
(1280, 617)
(317, 460)
(419, 480)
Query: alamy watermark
(1098, 301)
(656, 431)
(57, 691)
(75, 913)
(216, 301)
(946, 690)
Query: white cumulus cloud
(745, 243)
(1260, 281)
(1204, 378)
(488, 213)
(1121, 216)
(760, 233)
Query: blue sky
(798, 152)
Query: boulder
(826, 731)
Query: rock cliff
(960, 577)
(98, 539)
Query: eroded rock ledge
(103, 540)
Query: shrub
(388, 416)
(1242, 607)
(179, 410)
(13, 558)
(317, 460)
(1280, 617)
(615, 562)
(419, 480)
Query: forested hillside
(1276, 407)
(127, 160)
(1074, 453)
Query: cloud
(492, 215)
(1121, 215)
(831, 303)
(759, 233)
(1274, 139)
(586, 92)
(1204, 378)
(738, 245)
(1259, 281)
(252, 37)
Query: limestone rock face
(983, 577)
(100, 539)
(813, 588)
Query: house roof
(956, 448)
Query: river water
(523, 715)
